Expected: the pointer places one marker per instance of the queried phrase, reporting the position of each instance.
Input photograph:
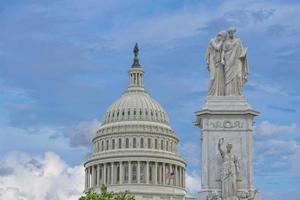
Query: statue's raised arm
(221, 141)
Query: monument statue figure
(215, 65)
(227, 64)
(236, 64)
(230, 171)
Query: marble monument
(226, 123)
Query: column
(85, 182)
(93, 176)
(155, 173)
(104, 174)
(112, 173)
(147, 172)
(129, 172)
(138, 172)
(173, 169)
(121, 172)
(164, 173)
(183, 175)
(89, 177)
(98, 175)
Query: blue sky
(62, 63)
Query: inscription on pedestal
(230, 124)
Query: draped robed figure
(215, 65)
(227, 64)
(236, 66)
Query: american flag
(170, 175)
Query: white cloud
(39, 178)
(266, 128)
(83, 133)
(193, 183)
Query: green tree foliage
(105, 195)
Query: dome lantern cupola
(136, 73)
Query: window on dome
(120, 143)
(118, 174)
(155, 144)
(171, 143)
(150, 173)
(128, 112)
(118, 114)
(113, 115)
(102, 145)
(107, 144)
(127, 143)
(162, 145)
(142, 172)
(141, 112)
(134, 142)
(167, 145)
(134, 112)
(142, 143)
(146, 112)
(113, 143)
(123, 113)
(98, 144)
(125, 172)
(149, 143)
(134, 172)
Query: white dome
(135, 106)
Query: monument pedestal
(231, 118)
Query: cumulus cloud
(27, 177)
(266, 128)
(83, 133)
(193, 183)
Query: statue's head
(231, 32)
(229, 147)
(221, 35)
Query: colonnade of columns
(134, 172)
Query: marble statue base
(231, 118)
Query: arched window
(127, 143)
(142, 143)
(98, 143)
(102, 145)
(134, 143)
(155, 144)
(167, 145)
(149, 143)
(120, 143)
(125, 172)
(118, 173)
(134, 173)
(150, 173)
(143, 172)
(107, 144)
(113, 144)
(162, 145)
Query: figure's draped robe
(216, 69)
(229, 177)
(236, 67)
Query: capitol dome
(137, 106)
(135, 148)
